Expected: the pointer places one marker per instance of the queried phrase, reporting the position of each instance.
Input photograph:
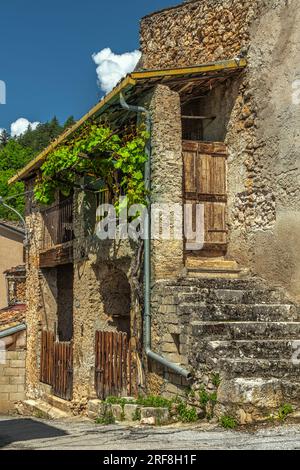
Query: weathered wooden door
(63, 370)
(56, 368)
(205, 184)
(114, 371)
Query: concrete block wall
(12, 380)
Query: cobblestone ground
(29, 433)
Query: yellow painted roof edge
(128, 82)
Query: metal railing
(57, 225)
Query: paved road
(28, 433)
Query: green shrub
(153, 401)
(185, 414)
(284, 411)
(137, 415)
(106, 418)
(228, 422)
(216, 380)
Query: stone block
(19, 396)
(9, 371)
(9, 388)
(169, 348)
(12, 355)
(130, 412)
(155, 416)
(117, 412)
(15, 380)
(94, 406)
(4, 380)
(5, 405)
(17, 363)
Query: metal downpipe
(147, 253)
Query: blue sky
(46, 52)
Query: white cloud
(112, 67)
(21, 125)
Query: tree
(69, 122)
(4, 138)
(12, 157)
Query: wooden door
(114, 370)
(205, 165)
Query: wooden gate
(205, 182)
(56, 367)
(63, 370)
(114, 374)
(47, 351)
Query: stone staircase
(47, 407)
(247, 332)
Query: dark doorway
(65, 302)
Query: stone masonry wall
(12, 380)
(261, 129)
(35, 306)
(166, 177)
(196, 32)
(97, 265)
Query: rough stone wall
(169, 339)
(12, 380)
(35, 308)
(261, 127)
(166, 177)
(196, 32)
(97, 267)
(16, 285)
(264, 170)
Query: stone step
(259, 394)
(214, 330)
(258, 349)
(217, 273)
(234, 296)
(196, 262)
(240, 312)
(58, 403)
(43, 410)
(194, 284)
(272, 368)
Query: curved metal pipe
(147, 253)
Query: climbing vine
(102, 153)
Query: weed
(284, 411)
(106, 418)
(216, 379)
(137, 415)
(228, 422)
(203, 397)
(186, 415)
(154, 402)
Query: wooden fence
(47, 351)
(56, 368)
(114, 371)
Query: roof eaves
(99, 107)
(128, 82)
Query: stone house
(11, 253)
(217, 82)
(13, 341)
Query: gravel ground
(35, 434)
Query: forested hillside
(16, 152)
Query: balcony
(57, 235)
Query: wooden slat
(113, 370)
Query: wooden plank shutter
(205, 182)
